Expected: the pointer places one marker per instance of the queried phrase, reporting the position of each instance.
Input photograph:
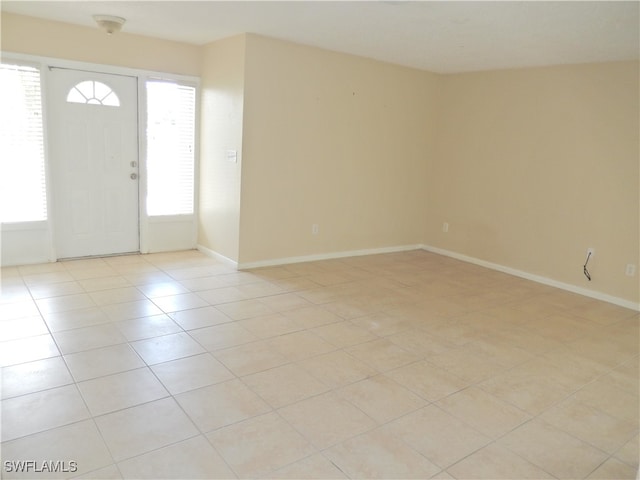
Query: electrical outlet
(232, 156)
(445, 227)
(630, 271)
(315, 229)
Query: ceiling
(439, 36)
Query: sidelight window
(171, 111)
(23, 192)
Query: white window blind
(170, 148)
(23, 194)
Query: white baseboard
(213, 254)
(440, 251)
(536, 278)
(326, 256)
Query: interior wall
(333, 140)
(34, 36)
(222, 90)
(534, 166)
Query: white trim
(143, 218)
(326, 256)
(98, 67)
(182, 218)
(536, 278)
(218, 256)
(48, 172)
(21, 226)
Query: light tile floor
(407, 365)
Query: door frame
(43, 233)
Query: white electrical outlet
(630, 271)
(315, 229)
(445, 227)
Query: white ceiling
(440, 36)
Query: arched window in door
(93, 93)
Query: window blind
(170, 148)
(23, 193)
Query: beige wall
(221, 130)
(33, 36)
(334, 140)
(534, 166)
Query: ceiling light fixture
(109, 23)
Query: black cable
(586, 272)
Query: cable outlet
(445, 227)
(630, 271)
(315, 229)
(591, 252)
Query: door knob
(133, 176)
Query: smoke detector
(109, 23)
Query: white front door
(93, 137)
